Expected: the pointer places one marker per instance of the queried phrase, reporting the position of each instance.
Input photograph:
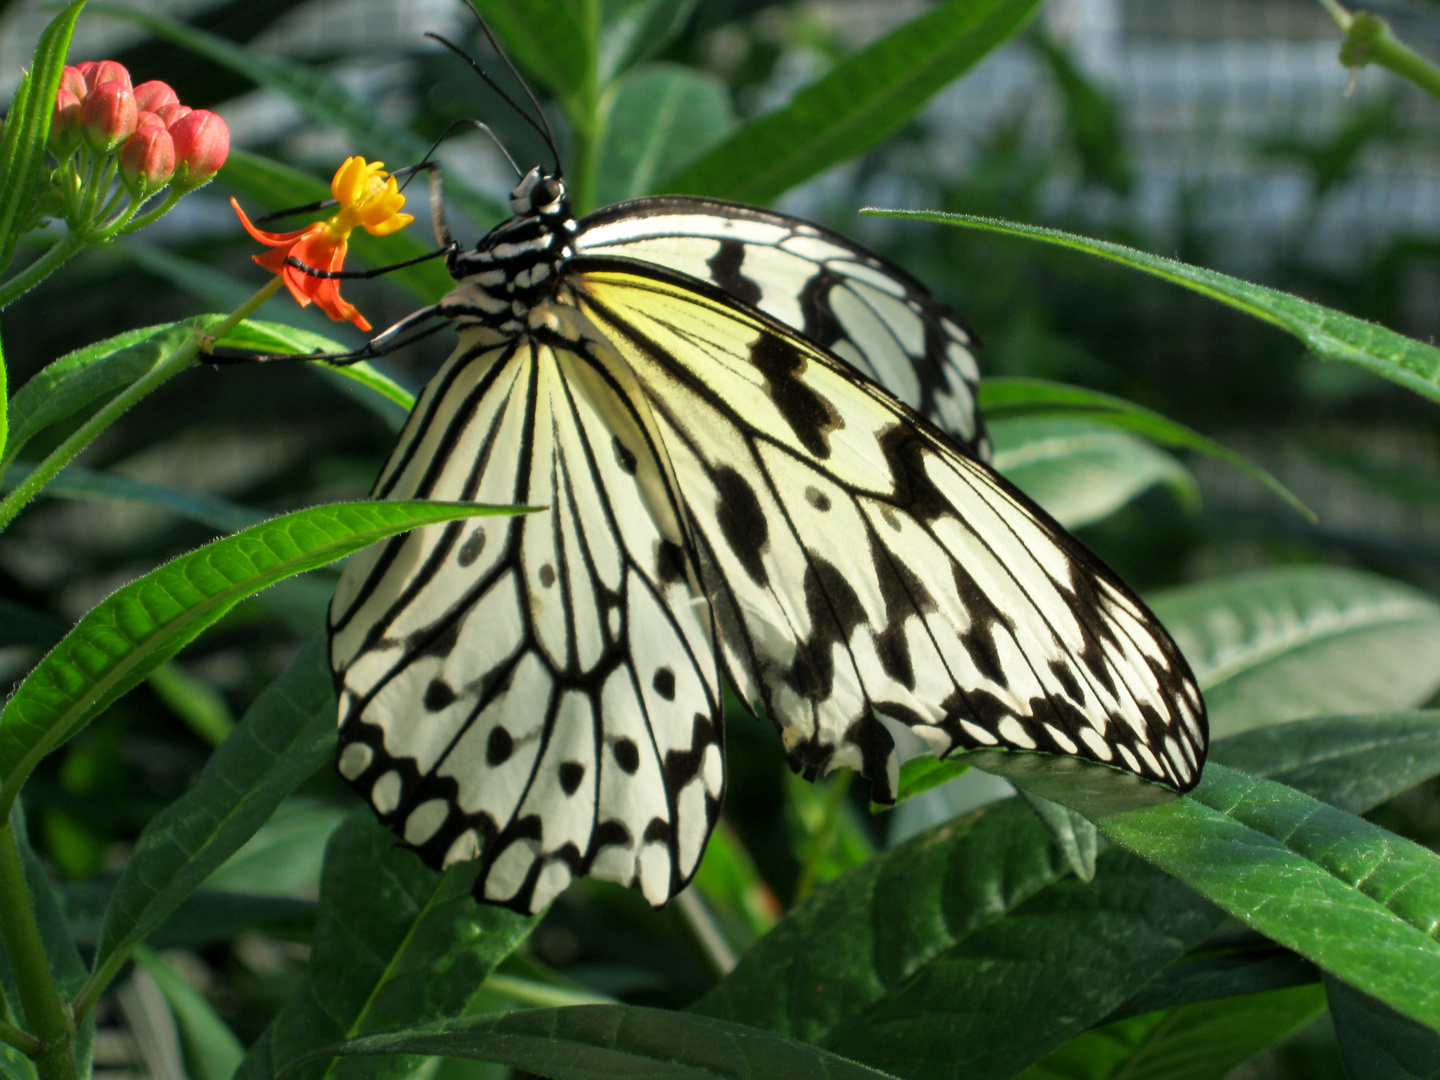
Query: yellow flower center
(368, 198)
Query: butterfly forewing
(860, 565)
(537, 691)
(844, 298)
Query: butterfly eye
(545, 193)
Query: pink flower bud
(147, 160)
(64, 137)
(202, 142)
(103, 71)
(149, 96)
(170, 113)
(108, 113)
(73, 79)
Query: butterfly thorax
(516, 265)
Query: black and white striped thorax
(516, 265)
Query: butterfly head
(538, 192)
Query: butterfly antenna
(542, 127)
(424, 163)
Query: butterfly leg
(382, 344)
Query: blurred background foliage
(1223, 132)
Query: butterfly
(697, 393)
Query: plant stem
(173, 364)
(40, 269)
(45, 1010)
(23, 1041)
(541, 995)
(1369, 40)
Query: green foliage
(1085, 927)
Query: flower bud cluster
(104, 126)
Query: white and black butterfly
(690, 387)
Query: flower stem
(173, 364)
(23, 1041)
(1369, 40)
(129, 226)
(40, 269)
(45, 1009)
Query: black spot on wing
(613, 833)
(741, 522)
(438, 695)
(664, 683)
(670, 563)
(571, 774)
(624, 457)
(835, 612)
(470, 550)
(499, 747)
(809, 415)
(627, 755)
(725, 270)
(979, 636)
(547, 575)
(681, 766)
(904, 450)
(817, 498)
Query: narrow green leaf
(661, 117)
(22, 150)
(1197, 1042)
(919, 775)
(277, 187)
(555, 40)
(269, 337)
(212, 1052)
(396, 945)
(283, 739)
(1304, 641)
(1376, 1042)
(317, 96)
(635, 30)
(603, 1042)
(1329, 334)
(66, 386)
(1082, 470)
(78, 482)
(856, 104)
(1001, 399)
(4, 402)
(1359, 901)
(1221, 972)
(143, 624)
(1358, 761)
(202, 708)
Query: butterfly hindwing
(830, 290)
(868, 579)
(537, 691)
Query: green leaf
(1304, 641)
(969, 950)
(1081, 470)
(268, 337)
(1357, 761)
(919, 775)
(78, 482)
(1094, 122)
(1376, 1042)
(1329, 334)
(1002, 399)
(1357, 900)
(603, 1042)
(65, 386)
(317, 96)
(4, 402)
(22, 150)
(555, 40)
(283, 739)
(278, 187)
(635, 30)
(396, 944)
(1221, 971)
(662, 117)
(212, 1052)
(856, 104)
(1197, 1042)
(199, 705)
(121, 640)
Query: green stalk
(40, 269)
(541, 995)
(45, 1009)
(1369, 40)
(23, 1041)
(172, 365)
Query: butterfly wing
(869, 581)
(839, 295)
(538, 691)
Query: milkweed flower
(368, 199)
